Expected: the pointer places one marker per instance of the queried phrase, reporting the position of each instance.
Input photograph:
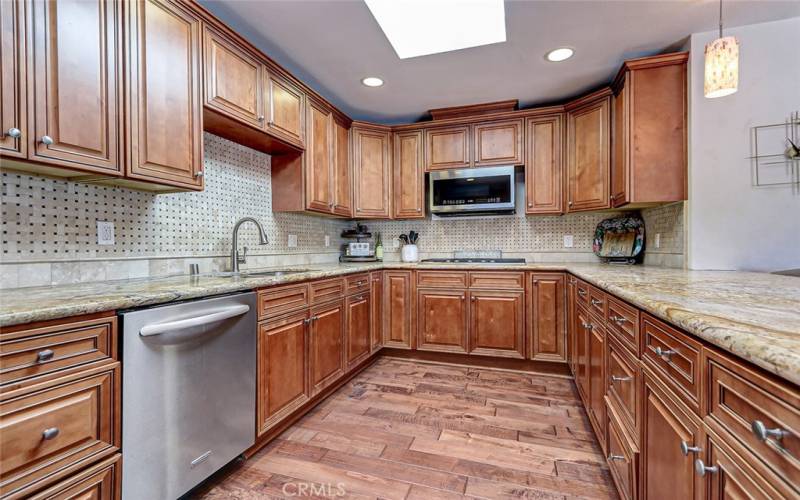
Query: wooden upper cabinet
(544, 178)
(233, 80)
(546, 317)
(342, 173)
(319, 158)
(497, 323)
(76, 84)
(285, 103)
(409, 175)
(498, 143)
(398, 309)
(166, 140)
(588, 155)
(447, 147)
(650, 131)
(13, 102)
(442, 320)
(371, 172)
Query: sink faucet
(235, 258)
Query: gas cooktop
(476, 261)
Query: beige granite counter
(753, 315)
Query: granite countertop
(755, 316)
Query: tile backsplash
(49, 227)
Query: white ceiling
(332, 44)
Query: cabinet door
(620, 172)
(398, 309)
(732, 477)
(319, 159)
(497, 324)
(544, 180)
(326, 345)
(359, 335)
(572, 327)
(447, 147)
(13, 102)
(166, 141)
(409, 175)
(588, 158)
(547, 319)
(597, 380)
(233, 80)
(498, 143)
(666, 472)
(282, 369)
(376, 290)
(442, 320)
(371, 173)
(75, 75)
(285, 103)
(582, 352)
(342, 174)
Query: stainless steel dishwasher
(188, 392)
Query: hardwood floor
(408, 430)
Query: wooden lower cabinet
(622, 456)
(597, 380)
(546, 317)
(282, 382)
(102, 481)
(582, 334)
(358, 332)
(398, 309)
(497, 323)
(442, 320)
(326, 345)
(376, 291)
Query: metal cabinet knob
(50, 433)
(199, 173)
(685, 449)
(761, 432)
(614, 378)
(44, 355)
(664, 354)
(702, 469)
(46, 139)
(613, 457)
(569, 203)
(307, 321)
(14, 132)
(261, 118)
(419, 210)
(582, 293)
(530, 204)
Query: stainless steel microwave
(472, 191)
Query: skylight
(422, 27)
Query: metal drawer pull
(685, 449)
(616, 457)
(50, 433)
(582, 293)
(307, 321)
(761, 432)
(596, 302)
(588, 326)
(314, 318)
(702, 468)
(614, 378)
(664, 354)
(44, 355)
(619, 320)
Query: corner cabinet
(372, 171)
(544, 168)
(588, 152)
(166, 142)
(409, 175)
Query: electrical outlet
(658, 240)
(105, 232)
(327, 240)
(396, 243)
(292, 241)
(569, 241)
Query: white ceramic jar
(409, 253)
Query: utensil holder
(409, 253)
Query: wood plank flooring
(408, 430)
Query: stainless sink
(259, 274)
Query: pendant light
(722, 64)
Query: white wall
(732, 224)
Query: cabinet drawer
(743, 403)
(35, 355)
(273, 302)
(622, 458)
(598, 302)
(674, 357)
(497, 280)
(441, 279)
(326, 290)
(582, 293)
(623, 322)
(58, 428)
(357, 283)
(100, 482)
(624, 378)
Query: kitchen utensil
(404, 238)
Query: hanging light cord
(720, 18)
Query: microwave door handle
(169, 326)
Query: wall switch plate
(327, 240)
(396, 243)
(292, 241)
(657, 243)
(569, 241)
(105, 232)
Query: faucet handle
(241, 257)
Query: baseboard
(466, 360)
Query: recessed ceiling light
(560, 54)
(372, 81)
(422, 27)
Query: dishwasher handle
(168, 326)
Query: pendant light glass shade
(722, 67)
